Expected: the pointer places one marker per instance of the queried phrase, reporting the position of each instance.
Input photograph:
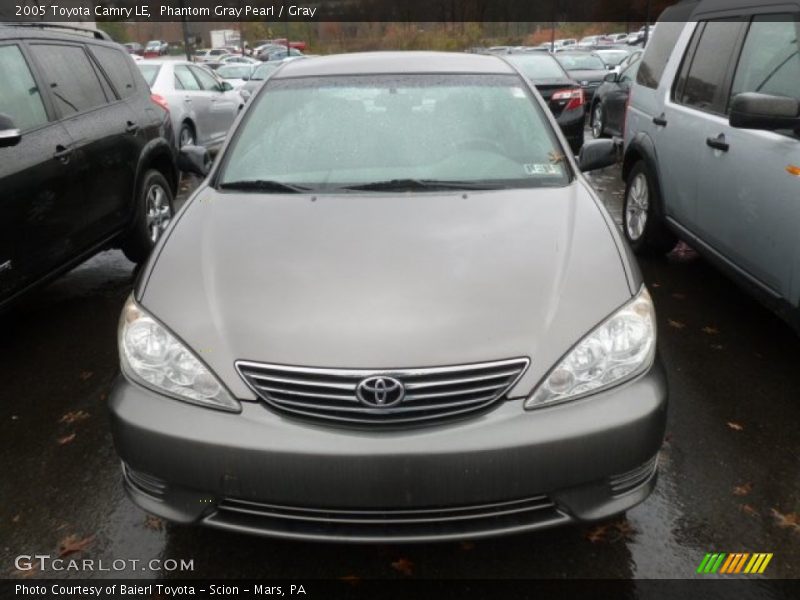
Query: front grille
(625, 482)
(430, 393)
(384, 524)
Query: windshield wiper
(423, 184)
(264, 185)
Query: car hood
(386, 280)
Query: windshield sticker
(542, 170)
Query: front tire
(643, 226)
(186, 136)
(597, 121)
(154, 210)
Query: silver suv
(712, 144)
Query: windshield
(153, 44)
(578, 62)
(538, 66)
(234, 72)
(330, 133)
(149, 72)
(264, 71)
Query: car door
(697, 96)
(103, 131)
(224, 104)
(197, 103)
(38, 186)
(617, 98)
(749, 196)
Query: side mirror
(762, 111)
(195, 160)
(225, 87)
(9, 134)
(611, 77)
(597, 154)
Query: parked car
(403, 315)
(590, 41)
(201, 105)
(564, 97)
(86, 155)
(632, 58)
(607, 112)
(259, 75)
(239, 59)
(618, 38)
(211, 54)
(612, 57)
(155, 48)
(134, 48)
(235, 74)
(278, 53)
(567, 43)
(586, 68)
(712, 145)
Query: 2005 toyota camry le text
(401, 313)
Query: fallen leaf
(624, 529)
(655, 285)
(748, 509)
(66, 439)
(154, 523)
(717, 347)
(15, 519)
(710, 330)
(598, 534)
(351, 579)
(26, 572)
(679, 296)
(735, 426)
(74, 417)
(72, 544)
(467, 545)
(743, 490)
(786, 520)
(676, 324)
(86, 375)
(404, 566)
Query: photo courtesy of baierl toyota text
(385, 299)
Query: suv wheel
(154, 210)
(186, 136)
(644, 229)
(597, 120)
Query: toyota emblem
(380, 392)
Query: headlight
(152, 356)
(618, 349)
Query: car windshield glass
(395, 131)
(537, 66)
(264, 71)
(576, 62)
(149, 72)
(233, 72)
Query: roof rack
(96, 33)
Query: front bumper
(506, 471)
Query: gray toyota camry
(394, 310)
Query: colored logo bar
(734, 562)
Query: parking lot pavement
(728, 467)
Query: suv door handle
(187, 98)
(718, 143)
(131, 127)
(660, 121)
(62, 153)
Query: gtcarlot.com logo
(734, 563)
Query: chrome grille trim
(431, 392)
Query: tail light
(160, 100)
(573, 96)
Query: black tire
(154, 208)
(642, 223)
(597, 120)
(186, 135)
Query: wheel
(596, 121)
(186, 135)
(154, 209)
(644, 228)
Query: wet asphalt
(728, 474)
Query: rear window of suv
(658, 52)
(118, 69)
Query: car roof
(707, 8)
(55, 31)
(365, 63)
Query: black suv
(86, 154)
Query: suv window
(72, 79)
(206, 80)
(658, 52)
(770, 60)
(118, 68)
(19, 96)
(186, 79)
(703, 75)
